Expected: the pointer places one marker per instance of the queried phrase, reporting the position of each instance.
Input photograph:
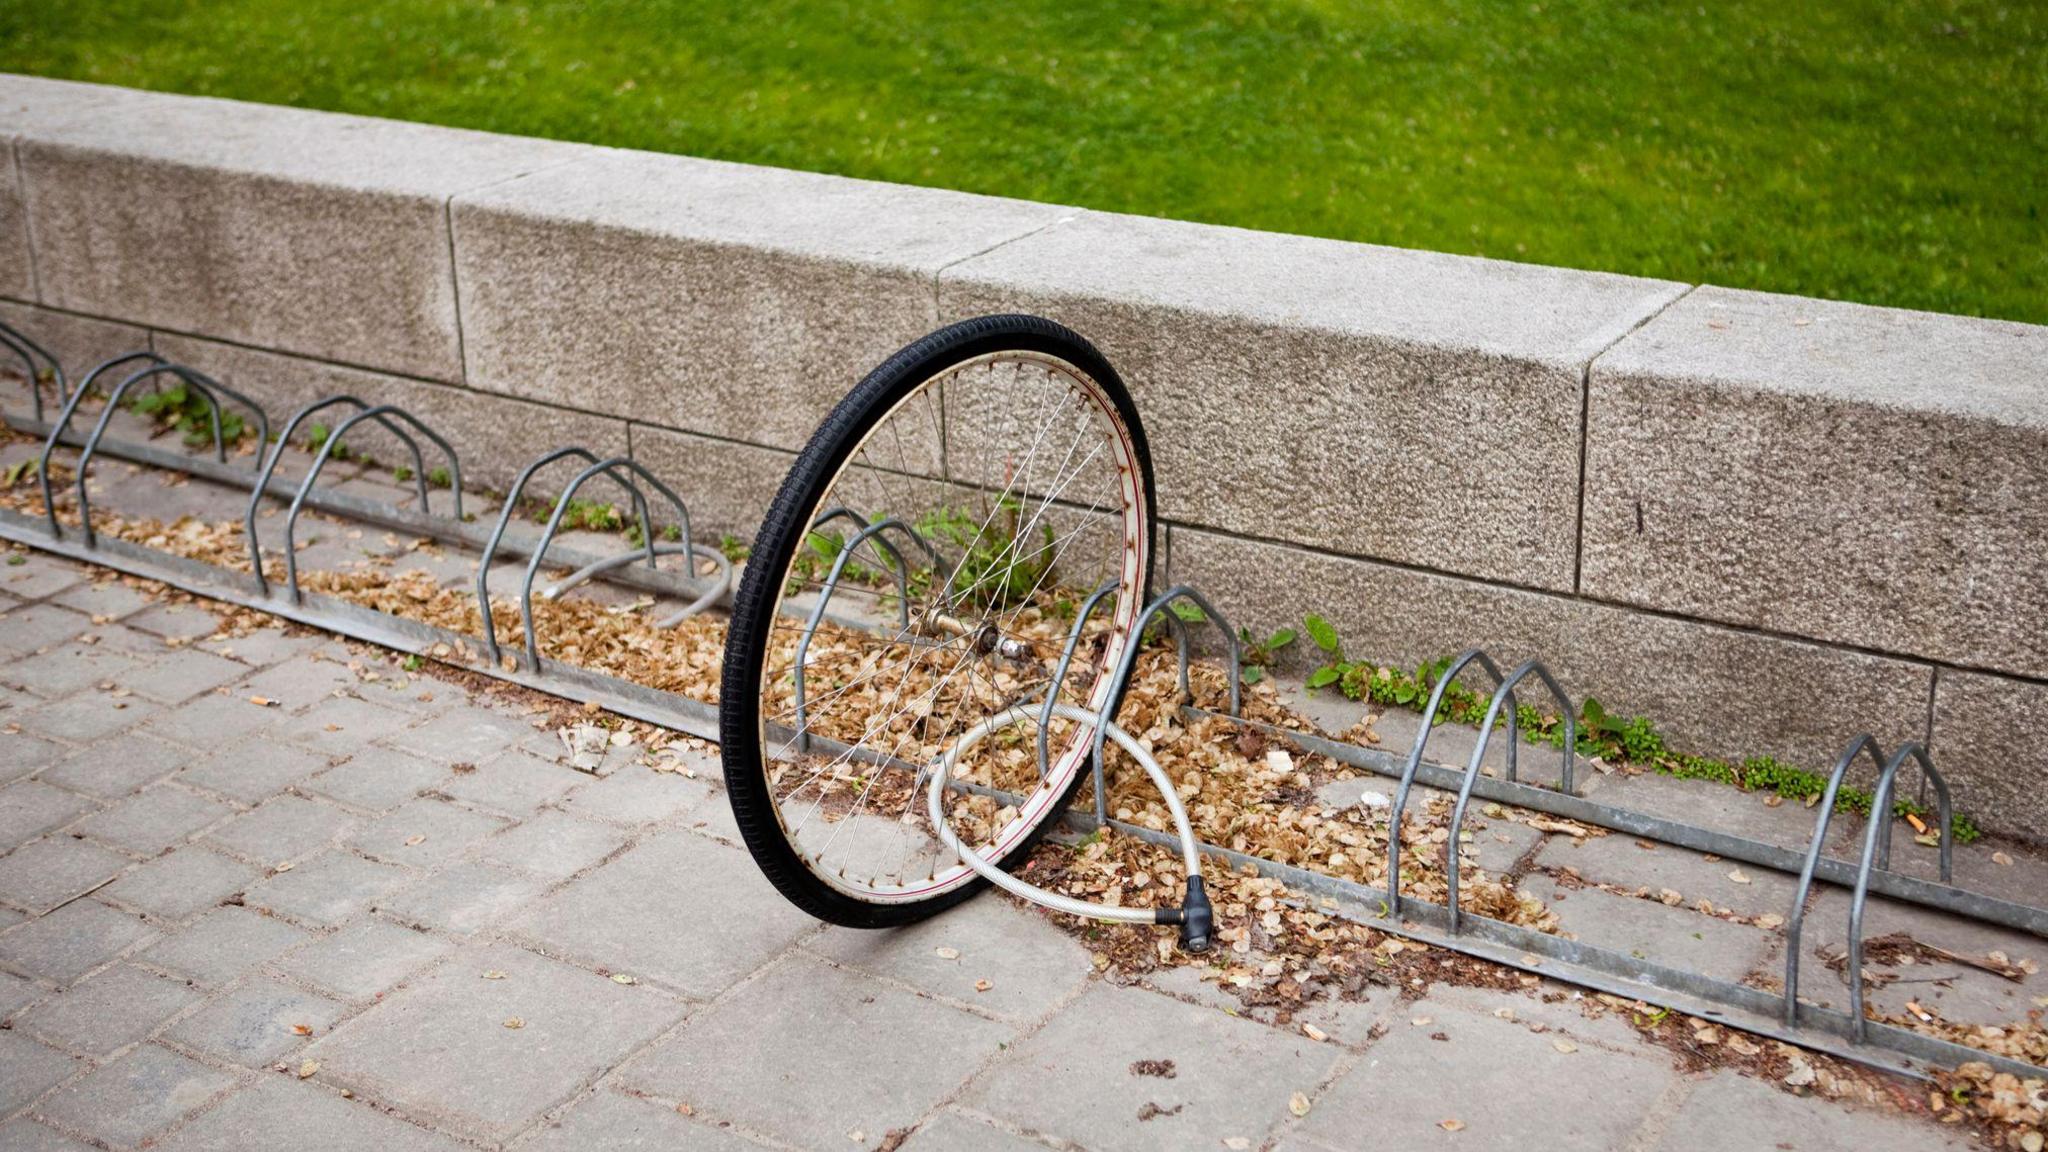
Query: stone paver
(1727, 1113)
(423, 833)
(1648, 930)
(254, 770)
(119, 766)
(25, 753)
(40, 875)
(466, 897)
(949, 1131)
(342, 725)
(114, 1007)
(365, 959)
(281, 1113)
(224, 944)
(29, 808)
(180, 675)
(175, 622)
(72, 668)
(328, 888)
(71, 941)
(1028, 965)
(1624, 861)
(283, 828)
(88, 716)
(378, 779)
(463, 736)
(39, 626)
(554, 845)
(26, 1135)
(752, 1058)
(213, 721)
(516, 782)
(440, 1048)
(677, 908)
(27, 1069)
(636, 796)
(1232, 1078)
(138, 1094)
(155, 819)
(1405, 1086)
(108, 598)
(39, 577)
(621, 1123)
(255, 1023)
(182, 884)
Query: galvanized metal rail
(1780, 1015)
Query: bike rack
(1779, 1014)
(37, 365)
(447, 525)
(870, 531)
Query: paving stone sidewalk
(382, 913)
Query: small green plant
(184, 409)
(439, 478)
(23, 470)
(588, 515)
(16, 559)
(318, 435)
(412, 663)
(1000, 567)
(673, 533)
(734, 548)
(401, 474)
(814, 563)
(1255, 655)
(1609, 736)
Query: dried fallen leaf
(308, 1068)
(413, 841)
(1298, 1104)
(302, 1029)
(1422, 1021)
(494, 974)
(982, 985)
(1236, 1143)
(1563, 1045)
(1738, 876)
(946, 953)
(2001, 859)
(1451, 1125)
(686, 1110)
(1314, 1033)
(622, 978)
(514, 1022)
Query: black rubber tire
(787, 522)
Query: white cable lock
(1195, 916)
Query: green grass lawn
(1862, 149)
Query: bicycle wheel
(931, 553)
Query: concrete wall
(1768, 522)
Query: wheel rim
(984, 506)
